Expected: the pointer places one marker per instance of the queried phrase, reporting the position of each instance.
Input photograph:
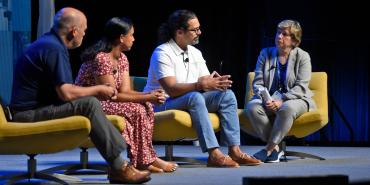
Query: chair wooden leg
(32, 174)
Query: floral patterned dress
(139, 117)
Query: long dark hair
(177, 20)
(112, 31)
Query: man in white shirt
(180, 69)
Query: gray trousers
(104, 135)
(273, 127)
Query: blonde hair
(294, 28)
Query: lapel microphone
(185, 60)
(186, 63)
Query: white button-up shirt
(168, 59)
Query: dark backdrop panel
(234, 32)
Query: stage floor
(351, 161)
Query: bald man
(43, 89)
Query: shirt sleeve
(162, 65)
(203, 69)
(124, 63)
(299, 87)
(202, 66)
(258, 81)
(59, 67)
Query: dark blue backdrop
(234, 32)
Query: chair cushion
(117, 121)
(308, 122)
(173, 125)
(44, 136)
(304, 125)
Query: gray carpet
(351, 161)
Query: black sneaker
(261, 155)
(274, 157)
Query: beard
(195, 41)
(75, 44)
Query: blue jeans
(198, 105)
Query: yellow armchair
(137, 83)
(174, 125)
(43, 137)
(119, 123)
(304, 125)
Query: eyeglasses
(285, 34)
(195, 30)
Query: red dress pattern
(139, 117)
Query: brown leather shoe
(128, 175)
(245, 159)
(222, 162)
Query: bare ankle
(215, 152)
(235, 150)
(271, 146)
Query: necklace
(115, 66)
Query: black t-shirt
(43, 66)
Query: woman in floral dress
(105, 63)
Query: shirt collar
(53, 32)
(176, 49)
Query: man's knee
(90, 101)
(196, 99)
(87, 103)
(229, 96)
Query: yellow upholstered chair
(304, 125)
(84, 164)
(117, 121)
(174, 125)
(43, 137)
